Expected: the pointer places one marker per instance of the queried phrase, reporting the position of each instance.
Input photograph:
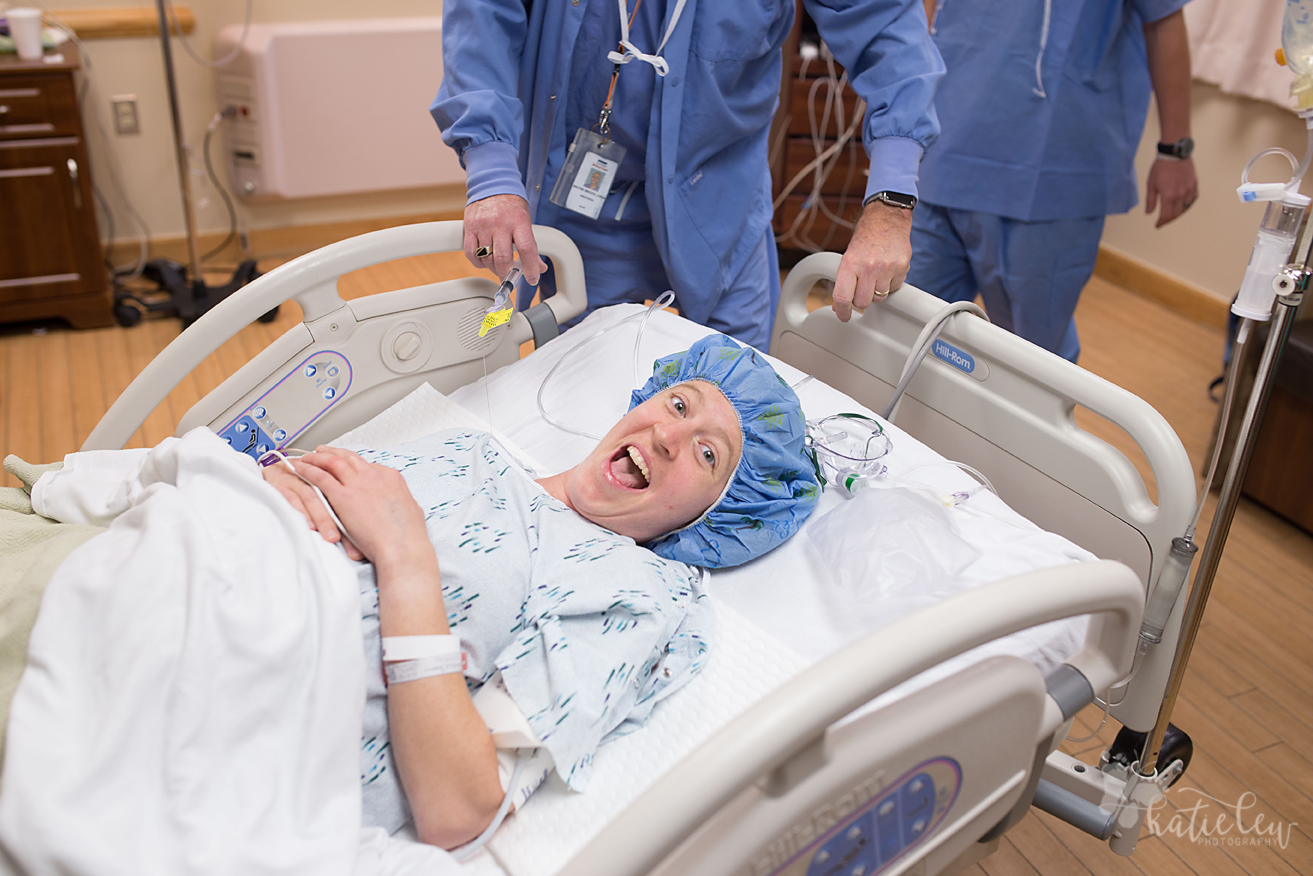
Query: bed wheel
(269, 316)
(1177, 746)
(126, 315)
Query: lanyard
(627, 52)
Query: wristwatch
(1178, 151)
(894, 199)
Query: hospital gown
(588, 629)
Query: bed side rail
(1007, 407)
(783, 727)
(311, 281)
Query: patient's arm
(443, 749)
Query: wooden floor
(1247, 700)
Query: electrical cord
(226, 112)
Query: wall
(144, 163)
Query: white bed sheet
(775, 618)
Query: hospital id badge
(590, 167)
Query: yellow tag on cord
(494, 318)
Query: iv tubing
(1232, 378)
(663, 300)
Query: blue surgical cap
(774, 488)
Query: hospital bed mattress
(777, 615)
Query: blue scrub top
(1058, 145)
(506, 105)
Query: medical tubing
(1232, 378)
(921, 347)
(1302, 169)
(664, 299)
(460, 854)
(231, 56)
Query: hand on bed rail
(499, 226)
(877, 259)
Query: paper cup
(25, 28)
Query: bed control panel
(274, 420)
(877, 833)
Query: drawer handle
(4, 109)
(77, 187)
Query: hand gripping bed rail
(770, 733)
(311, 281)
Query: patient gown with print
(588, 629)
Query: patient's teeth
(638, 461)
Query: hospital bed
(795, 783)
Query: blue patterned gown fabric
(774, 489)
(588, 629)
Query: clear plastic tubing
(1170, 580)
(1276, 239)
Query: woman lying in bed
(545, 581)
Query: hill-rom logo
(959, 359)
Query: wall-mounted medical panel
(334, 107)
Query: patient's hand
(384, 523)
(303, 498)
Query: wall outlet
(125, 114)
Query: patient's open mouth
(629, 468)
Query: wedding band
(483, 252)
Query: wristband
(424, 667)
(418, 647)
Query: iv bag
(1297, 36)
(886, 553)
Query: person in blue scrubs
(689, 207)
(1042, 109)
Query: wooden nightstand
(51, 262)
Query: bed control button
(332, 370)
(310, 370)
(329, 392)
(280, 435)
(886, 807)
(240, 428)
(259, 413)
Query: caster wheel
(270, 316)
(1177, 745)
(126, 315)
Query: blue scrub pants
(1030, 274)
(622, 264)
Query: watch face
(898, 199)
(1180, 149)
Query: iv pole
(1290, 285)
(188, 294)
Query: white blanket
(192, 704)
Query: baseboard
(267, 243)
(1187, 299)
